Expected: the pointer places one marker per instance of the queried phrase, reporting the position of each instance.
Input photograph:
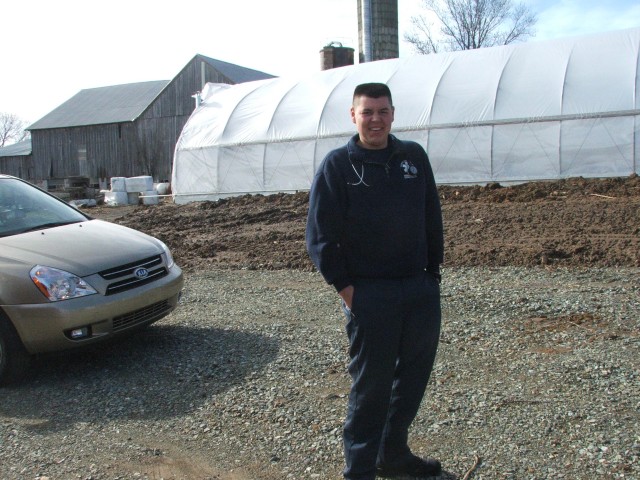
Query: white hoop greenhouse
(532, 111)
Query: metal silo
(377, 30)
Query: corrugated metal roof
(95, 106)
(236, 73)
(125, 103)
(17, 149)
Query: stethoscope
(359, 175)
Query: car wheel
(14, 359)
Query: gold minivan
(67, 280)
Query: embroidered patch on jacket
(409, 169)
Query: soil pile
(575, 222)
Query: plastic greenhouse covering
(532, 111)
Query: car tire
(14, 359)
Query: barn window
(82, 161)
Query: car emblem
(141, 273)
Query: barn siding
(20, 166)
(110, 150)
(144, 147)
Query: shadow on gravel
(163, 371)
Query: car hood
(81, 248)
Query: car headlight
(167, 253)
(59, 285)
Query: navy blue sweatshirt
(374, 214)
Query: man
(374, 232)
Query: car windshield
(24, 208)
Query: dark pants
(393, 329)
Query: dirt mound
(572, 188)
(574, 222)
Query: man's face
(373, 118)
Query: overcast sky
(55, 48)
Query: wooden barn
(17, 160)
(123, 130)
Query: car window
(24, 207)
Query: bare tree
(469, 24)
(12, 129)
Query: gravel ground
(537, 377)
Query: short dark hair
(372, 90)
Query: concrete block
(118, 184)
(149, 198)
(133, 198)
(139, 184)
(116, 199)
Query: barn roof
(235, 73)
(17, 149)
(125, 103)
(94, 106)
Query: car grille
(123, 278)
(146, 314)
